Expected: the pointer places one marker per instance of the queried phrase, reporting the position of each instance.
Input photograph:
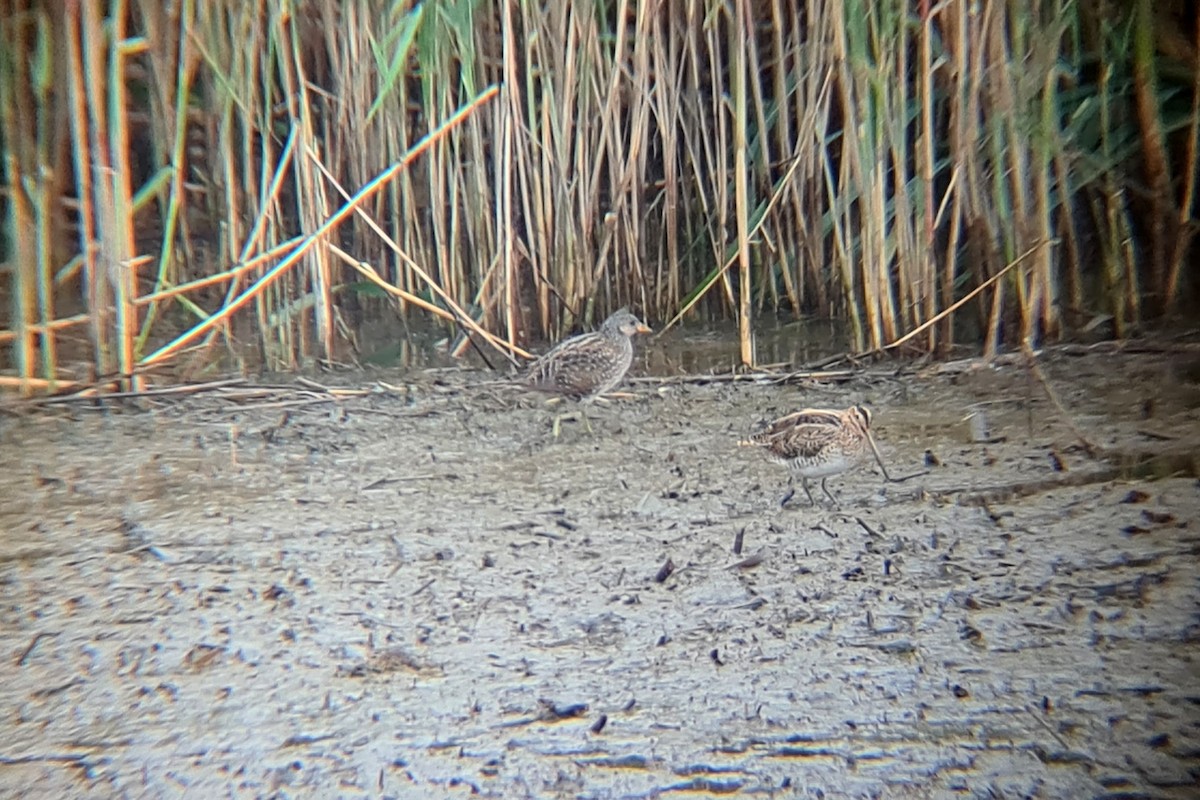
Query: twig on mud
(147, 547)
(21, 659)
(771, 377)
(909, 476)
(50, 691)
(749, 561)
(517, 723)
(237, 392)
(88, 394)
(301, 739)
(1050, 730)
(901, 647)
(276, 404)
(550, 712)
(1036, 371)
(1162, 437)
(664, 571)
(829, 361)
(365, 618)
(54, 758)
(825, 530)
(332, 390)
(871, 531)
(383, 483)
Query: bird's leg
(828, 494)
(578, 415)
(804, 483)
(583, 417)
(558, 418)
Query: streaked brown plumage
(587, 365)
(590, 364)
(818, 443)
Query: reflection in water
(686, 349)
(695, 349)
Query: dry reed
(997, 173)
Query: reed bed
(186, 179)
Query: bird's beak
(644, 328)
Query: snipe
(586, 366)
(818, 443)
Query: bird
(586, 366)
(818, 443)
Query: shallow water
(422, 594)
(688, 348)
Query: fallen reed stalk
(929, 323)
(310, 241)
(454, 312)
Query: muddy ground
(420, 593)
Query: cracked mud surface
(422, 594)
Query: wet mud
(419, 592)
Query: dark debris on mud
(419, 592)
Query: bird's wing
(801, 439)
(559, 369)
(802, 434)
(809, 416)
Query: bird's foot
(573, 416)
